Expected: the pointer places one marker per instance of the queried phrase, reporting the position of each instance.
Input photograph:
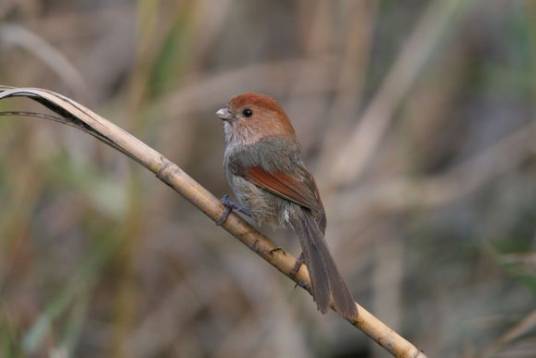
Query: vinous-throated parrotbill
(264, 168)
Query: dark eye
(247, 112)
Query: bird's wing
(299, 188)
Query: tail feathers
(320, 282)
(325, 277)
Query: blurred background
(417, 119)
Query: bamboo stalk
(72, 113)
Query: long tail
(325, 277)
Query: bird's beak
(224, 114)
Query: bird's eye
(247, 112)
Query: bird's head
(251, 117)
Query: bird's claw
(224, 216)
(230, 205)
(297, 265)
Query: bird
(263, 166)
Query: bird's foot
(230, 205)
(296, 269)
(297, 265)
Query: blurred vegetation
(431, 102)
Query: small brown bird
(264, 168)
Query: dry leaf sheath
(72, 113)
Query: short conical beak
(224, 114)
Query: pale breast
(264, 207)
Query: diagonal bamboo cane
(72, 113)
